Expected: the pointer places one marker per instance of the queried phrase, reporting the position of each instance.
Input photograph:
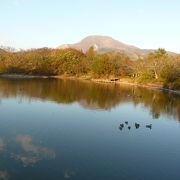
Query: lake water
(67, 129)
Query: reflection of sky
(69, 174)
(2, 145)
(4, 175)
(32, 153)
(70, 140)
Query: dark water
(65, 129)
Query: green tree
(156, 61)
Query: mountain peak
(107, 44)
(98, 37)
(100, 41)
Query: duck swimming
(149, 126)
(122, 125)
(137, 125)
(120, 128)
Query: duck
(129, 127)
(122, 125)
(149, 126)
(120, 128)
(137, 125)
(126, 122)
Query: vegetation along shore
(157, 69)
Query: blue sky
(39, 23)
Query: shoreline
(125, 81)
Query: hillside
(1, 50)
(106, 44)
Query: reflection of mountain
(91, 95)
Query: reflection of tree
(159, 102)
(32, 153)
(91, 95)
(63, 91)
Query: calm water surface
(66, 129)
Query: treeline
(158, 66)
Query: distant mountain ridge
(106, 44)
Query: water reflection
(31, 153)
(91, 95)
(69, 174)
(2, 145)
(4, 175)
(46, 140)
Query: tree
(90, 53)
(157, 60)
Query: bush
(172, 80)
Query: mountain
(106, 44)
